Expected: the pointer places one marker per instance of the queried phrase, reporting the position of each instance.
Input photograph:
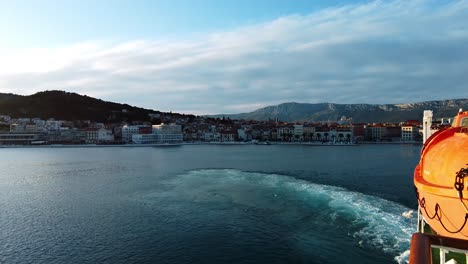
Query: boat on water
(441, 182)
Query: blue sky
(220, 56)
(44, 23)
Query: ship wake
(318, 217)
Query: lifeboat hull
(444, 207)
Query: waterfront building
(208, 136)
(322, 133)
(409, 133)
(144, 139)
(92, 135)
(67, 136)
(19, 138)
(139, 134)
(285, 133)
(156, 134)
(129, 131)
(54, 137)
(343, 134)
(274, 134)
(96, 135)
(375, 132)
(309, 132)
(298, 132)
(392, 133)
(266, 135)
(227, 136)
(73, 135)
(358, 132)
(171, 133)
(216, 137)
(105, 135)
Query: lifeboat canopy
(441, 179)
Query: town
(176, 129)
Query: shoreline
(208, 143)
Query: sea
(208, 204)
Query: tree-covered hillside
(69, 106)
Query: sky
(233, 56)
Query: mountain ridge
(72, 106)
(360, 113)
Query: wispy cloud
(379, 52)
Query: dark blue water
(207, 204)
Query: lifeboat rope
(459, 185)
(422, 204)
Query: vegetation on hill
(70, 106)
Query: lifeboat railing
(423, 243)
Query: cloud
(379, 52)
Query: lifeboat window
(464, 122)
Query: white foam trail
(375, 222)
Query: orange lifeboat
(441, 180)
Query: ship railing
(422, 244)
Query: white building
(155, 134)
(129, 131)
(145, 138)
(298, 132)
(284, 133)
(171, 133)
(105, 135)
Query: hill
(365, 113)
(69, 106)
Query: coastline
(208, 143)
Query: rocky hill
(70, 106)
(292, 112)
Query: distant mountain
(365, 113)
(69, 106)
